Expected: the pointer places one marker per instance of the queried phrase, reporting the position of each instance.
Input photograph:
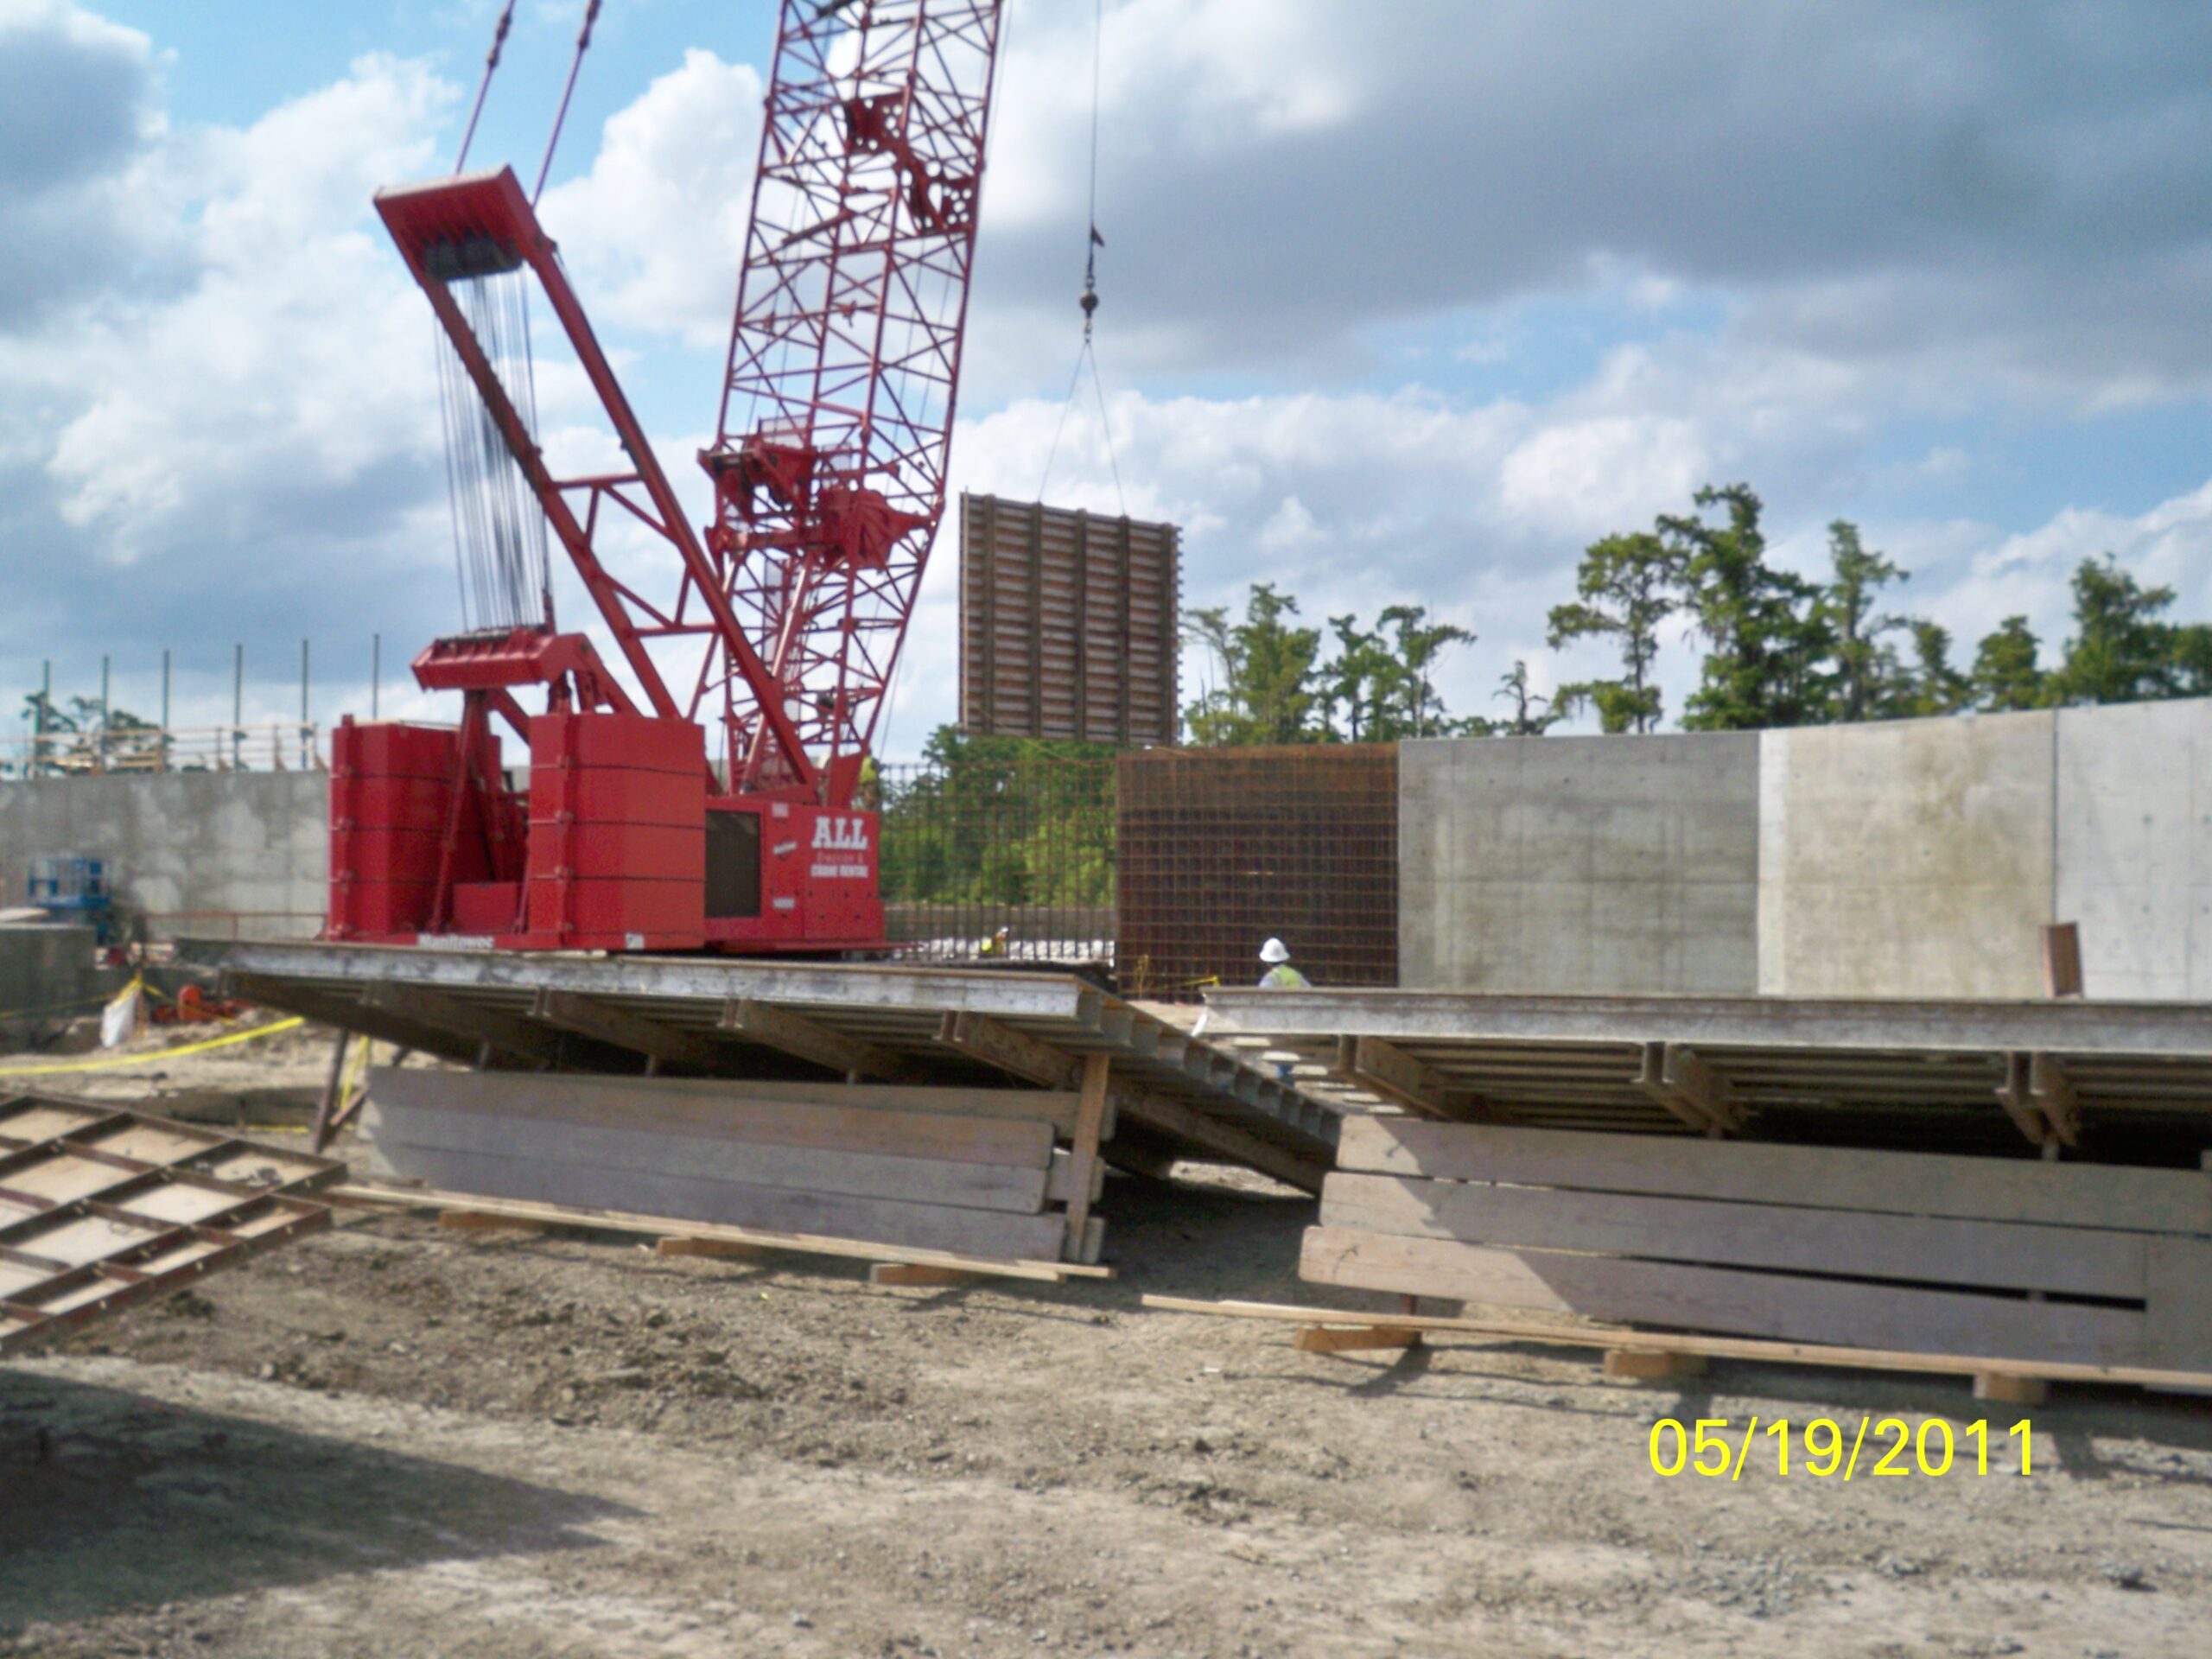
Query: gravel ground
(390, 1439)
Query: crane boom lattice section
(830, 458)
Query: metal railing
(278, 746)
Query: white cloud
(1863, 210)
(654, 233)
(1582, 475)
(298, 355)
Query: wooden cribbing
(2031, 1259)
(1763, 1352)
(368, 1196)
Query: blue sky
(1402, 302)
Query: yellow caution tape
(112, 1060)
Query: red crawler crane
(775, 652)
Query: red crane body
(723, 807)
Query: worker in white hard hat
(993, 945)
(1281, 976)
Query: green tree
(1270, 674)
(2190, 656)
(1533, 715)
(2123, 649)
(1356, 679)
(1626, 587)
(999, 821)
(2006, 674)
(1929, 685)
(1865, 683)
(1409, 705)
(1764, 630)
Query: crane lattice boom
(836, 420)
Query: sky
(1404, 301)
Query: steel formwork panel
(899, 1009)
(1885, 1070)
(1068, 624)
(100, 1209)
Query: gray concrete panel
(1910, 858)
(1619, 864)
(253, 846)
(2134, 859)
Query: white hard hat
(1275, 950)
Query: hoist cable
(577, 63)
(1088, 353)
(1106, 426)
(491, 64)
(500, 541)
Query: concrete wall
(46, 977)
(2135, 847)
(252, 845)
(1579, 863)
(1906, 858)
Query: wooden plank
(371, 1196)
(1015, 1052)
(1321, 1339)
(919, 1272)
(410, 1141)
(938, 1227)
(2061, 959)
(2016, 1256)
(1059, 1183)
(348, 1015)
(1023, 1056)
(1226, 1140)
(1644, 1365)
(2011, 1390)
(1385, 1069)
(2013, 1095)
(2177, 1310)
(1720, 1299)
(1744, 1348)
(676, 1107)
(2052, 1094)
(810, 1040)
(1686, 1076)
(1083, 1159)
(1054, 1106)
(1928, 1184)
(326, 1110)
(476, 1221)
(720, 1249)
(504, 1032)
(602, 1021)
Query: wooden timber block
(1321, 1339)
(2011, 1390)
(475, 1221)
(1647, 1366)
(919, 1273)
(720, 1249)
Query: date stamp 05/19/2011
(1716, 1448)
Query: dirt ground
(392, 1440)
